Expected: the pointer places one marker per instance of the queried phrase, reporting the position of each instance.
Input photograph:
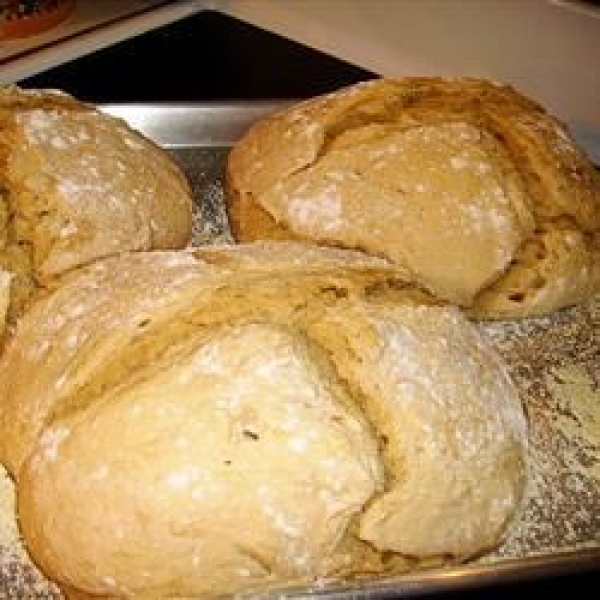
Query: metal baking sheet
(554, 361)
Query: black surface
(579, 586)
(213, 57)
(208, 56)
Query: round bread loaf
(201, 423)
(77, 185)
(474, 188)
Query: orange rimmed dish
(22, 18)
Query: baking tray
(554, 361)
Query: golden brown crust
(77, 185)
(452, 178)
(305, 390)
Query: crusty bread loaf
(473, 187)
(5, 279)
(200, 423)
(77, 185)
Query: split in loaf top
(156, 404)
(477, 190)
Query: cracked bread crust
(78, 185)
(454, 179)
(304, 390)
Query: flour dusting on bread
(451, 178)
(321, 407)
(79, 185)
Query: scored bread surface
(475, 189)
(245, 416)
